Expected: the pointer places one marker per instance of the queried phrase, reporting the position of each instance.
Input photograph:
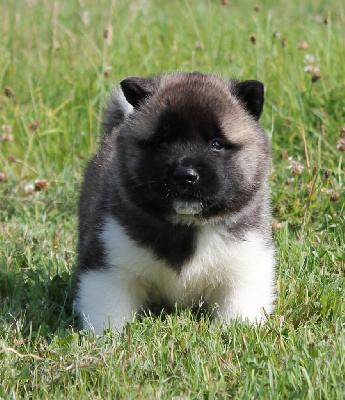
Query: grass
(55, 59)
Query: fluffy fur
(174, 206)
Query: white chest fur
(234, 276)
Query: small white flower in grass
(6, 134)
(295, 166)
(340, 145)
(29, 188)
(308, 59)
(6, 128)
(312, 64)
(311, 69)
(303, 45)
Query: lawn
(57, 61)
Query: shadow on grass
(163, 311)
(33, 303)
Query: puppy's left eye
(217, 144)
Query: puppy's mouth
(187, 207)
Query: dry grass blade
(10, 349)
(308, 200)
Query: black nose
(185, 176)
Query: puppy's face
(190, 151)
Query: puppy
(175, 205)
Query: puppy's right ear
(136, 90)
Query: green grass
(55, 64)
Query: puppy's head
(192, 149)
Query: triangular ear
(251, 95)
(136, 90)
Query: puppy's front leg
(246, 302)
(107, 299)
(251, 288)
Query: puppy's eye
(163, 144)
(217, 144)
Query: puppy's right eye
(163, 144)
(217, 145)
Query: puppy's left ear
(137, 90)
(251, 94)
